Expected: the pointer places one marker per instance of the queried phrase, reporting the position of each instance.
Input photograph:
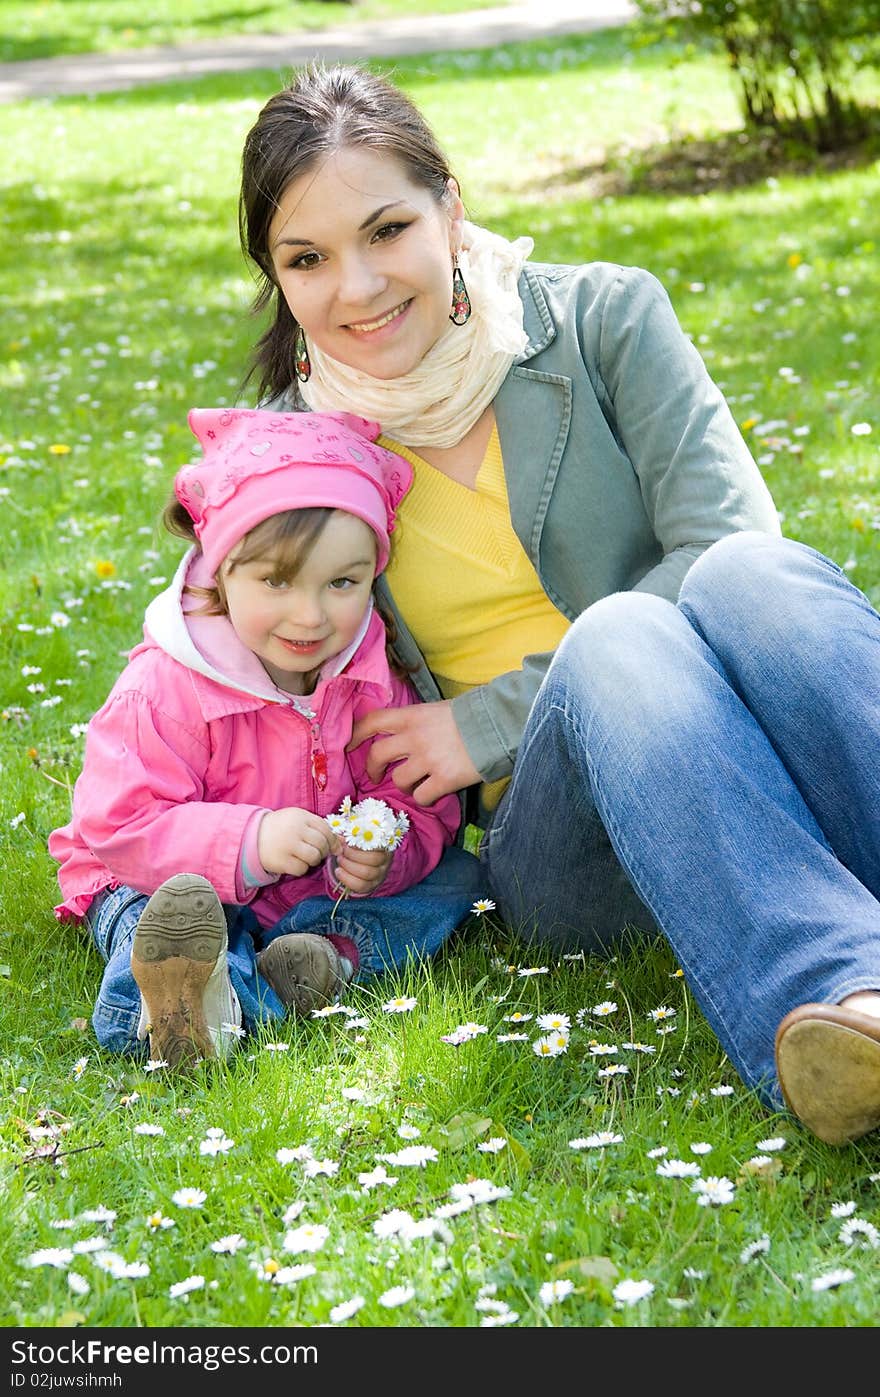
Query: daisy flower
(293, 1211)
(517, 1017)
(287, 1275)
(493, 1145)
(701, 1148)
(778, 1142)
(511, 1037)
(713, 1190)
(373, 1177)
(479, 1191)
(832, 1279)
(597, 1141)
(180, 1289)
(661, 1014)
(551, 1022)
(843, 1210)
(411, 1156)
(50, 1256)
(216, 1142)
(147, 1128)
(603, 1049)
(552, 1292)
(189, 1197)
(157, 1221)
(465, 1033)
(397, 1222)
(79, 1067)
(498, 1318)
(313, 1167)
(550, 1045)
(640, 1048)
(616, 1069)
(658, 1152)
(299, 1154)
(346, 1308)
(155, 1064)
(309, 1237)
(758, 1248)
(397, 1295)
(630, 1292)
(228, 1245)
(678, 1169)
(601, 1011)
(533, 970)
(858, 1232)
(483, 904)
(77, 1283)
(401, 1005)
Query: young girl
(668, 710)
(199, 833)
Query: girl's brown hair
(322, 111)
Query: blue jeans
(711, 769)
(389, 932)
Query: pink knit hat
(258, 463)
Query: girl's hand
(361, 871)
(425, 740)
(293, 841)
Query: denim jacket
(622, 463)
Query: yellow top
(474, 602)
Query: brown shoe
(304, 970)
(828, 1063)
(178, 960)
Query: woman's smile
(370, 327)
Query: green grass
(49, 28)
(124, 303)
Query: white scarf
(439, 400)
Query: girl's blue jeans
(711, 769)
(389, 932)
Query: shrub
(794, 60)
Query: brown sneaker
(178, 959)
(304, 970)
(828, 1063)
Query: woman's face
(363, 258)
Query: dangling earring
(461, 301)
(301, 361)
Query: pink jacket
(195, 743)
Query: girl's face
(295, 625)
(363, 258)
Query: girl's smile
(295, 624)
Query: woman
(668, 710)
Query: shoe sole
(829, 1071)
(288, 965)
(178, 940)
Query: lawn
(628, 1180)
(50, 28)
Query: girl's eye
(341, 584)
(275, 584)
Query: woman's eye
(389, 230)
(305, 262)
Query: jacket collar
(538, 322)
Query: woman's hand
(361, 871)
(425, 740)
(293, 841)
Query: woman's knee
(609, 648)
(739, 573)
